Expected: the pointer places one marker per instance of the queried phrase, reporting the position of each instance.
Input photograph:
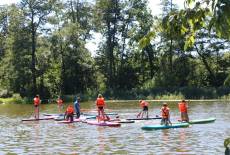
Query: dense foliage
(184, 52)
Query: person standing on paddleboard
(100, 103)
(144, 105)
(60, 103)
(37, 101)
(183, 108)
(77, 107)
(165, 115)
(69, 113)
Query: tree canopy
(43, 48)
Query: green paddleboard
(202, 121)
(156, 127)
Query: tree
(73, 26)
(36, 12)
(15, 64)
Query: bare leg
(138, 115)
(103, 114)
(98, 119)
(142, 114)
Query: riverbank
(25, 101)
(162, 100)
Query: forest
(182, 52)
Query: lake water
(50, 137)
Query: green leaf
(226, 142)
(145, 41)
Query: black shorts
(145, 108)
(35, 105)
(100, 108)
(69, 116)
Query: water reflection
(50, 137)
(101, 139)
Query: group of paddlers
(71, 110)
(100, 104)
(165, 111)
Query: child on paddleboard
(60, 103)
(69, 113)
(37, 101)
(183, 108)
(165, 115)
(144, 105)
(100, 103)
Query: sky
(92, 45)
(153, 4)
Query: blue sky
(153, 4)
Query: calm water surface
(49, 137)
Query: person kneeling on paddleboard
(69, 113)
(145, 109)
(165, 115)
(183, 107)
(100, 103)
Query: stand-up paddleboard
(90, 114)
(38, 119)
(202, 121)
(123, 121)
(46, 114)
(68, 121)
(150, 118)
(61, 118)
(156, 127)
(111, 124)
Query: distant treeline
(180, 53)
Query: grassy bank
(16, 98)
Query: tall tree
(36, 12)
(15, 66)
(108, 12)
(68, 47)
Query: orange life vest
(59, 101)
(100, 102)
(165, 112)
(182, 106)
(144, 104)
(70, 110)
(36, 101)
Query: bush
(5, 93)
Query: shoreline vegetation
(177, 54)
(17, 99)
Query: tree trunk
(211, 73)
(72, 12)
(33, 67)
(110, 54)
(149, 51)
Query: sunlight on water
(50, 137)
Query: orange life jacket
(182, 106)
(144, 103)
(59, 101)
(36, 101)
(70, 110)
(100, 102)
(165, 112)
